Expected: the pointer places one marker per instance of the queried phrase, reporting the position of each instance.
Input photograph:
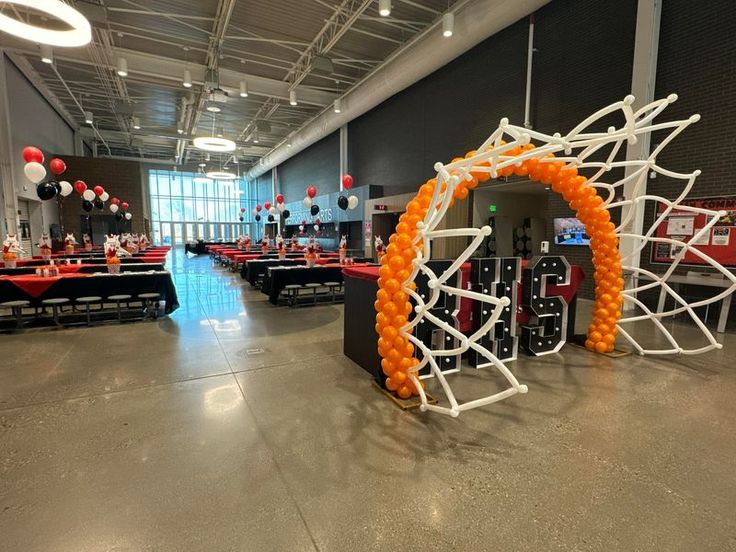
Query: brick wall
(121, 179)
(318, 165)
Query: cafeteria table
(84, 268)
(35, 289)
(33, 262)
(276, 278)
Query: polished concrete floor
(235, 425)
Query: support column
(8, 197)
(643, 77)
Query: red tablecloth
(36, 286)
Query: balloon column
(36, 173)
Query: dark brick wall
(583, 63)
(121, 179)
(318, 165)
(697, 61)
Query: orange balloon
(392, 286)
(601, 347)
(390, 309)
(396, 263)
(389, 333)
(404, 392)
(399, 377)
(391, 384)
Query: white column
(643, 77)
(8, 198)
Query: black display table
(89, 269)
(276, 278)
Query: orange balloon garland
(393, 304)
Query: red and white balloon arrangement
(347, 202)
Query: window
(210, 208)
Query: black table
(103, 285)
(276, 278)
(84, 260)
(253, 270)
(97, 267)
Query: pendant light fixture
(243, 89)
(122, 67)
(384, 8)
(448, 24)
(79, 34)
(47, 54)
(214, 143)
(292, 97)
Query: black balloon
(258, 218)
(270, 218)
(240, 219)
(342, 202)
(87, 205)
(99, 203)
(314, 210)
(57, 185)
(285, 213)
(119, 216)
(46, 190)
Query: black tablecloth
(130, 267)
(83, 260)
(104, 285)
(276, 278)
(253, 270)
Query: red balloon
(267, 205)
(347, 181)
(114, 201)
(242, 209)
(304, 221)
(98, 190)
(80, 186)
(57, 166)
(317, 221)
(124, 206)
(258, 208)
(279, 198)
(32, 153)
(311, 191)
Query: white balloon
(254, 211)
(272, 211)
(114, 208)
(128, 216)
(66, 188)
(316, 227)
(301, 228)
(352, 202)
(88, 194)
(35, 172)
(307, 202)
(281, 207)
(105, 196)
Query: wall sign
(547, 329)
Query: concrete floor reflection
(235, 425)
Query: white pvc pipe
(529, 59)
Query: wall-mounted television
(570, 231)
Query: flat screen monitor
(570, 231)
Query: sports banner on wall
(719, 243)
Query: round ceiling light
(201, 180)
(79, 34)
(221, 175)
(213, 143)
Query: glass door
(177, 233)
(165, 235)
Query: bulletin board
(719, 243)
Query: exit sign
(381, 207)
(492, 208)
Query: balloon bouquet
(311, 251)
(343, 248)
(69, 242)
(11, 250)
(347, 202)
(265, 243)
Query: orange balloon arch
(393, 304)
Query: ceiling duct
(475, 21)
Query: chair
(334, 286)
(314, 287)
(57, 304)
(117, 299)
(16, 307)
(87, 301)
(292, 293)
(150, 304)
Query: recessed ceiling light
(213, 143)
(202, 165)
(212, 108)
(79, 34)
